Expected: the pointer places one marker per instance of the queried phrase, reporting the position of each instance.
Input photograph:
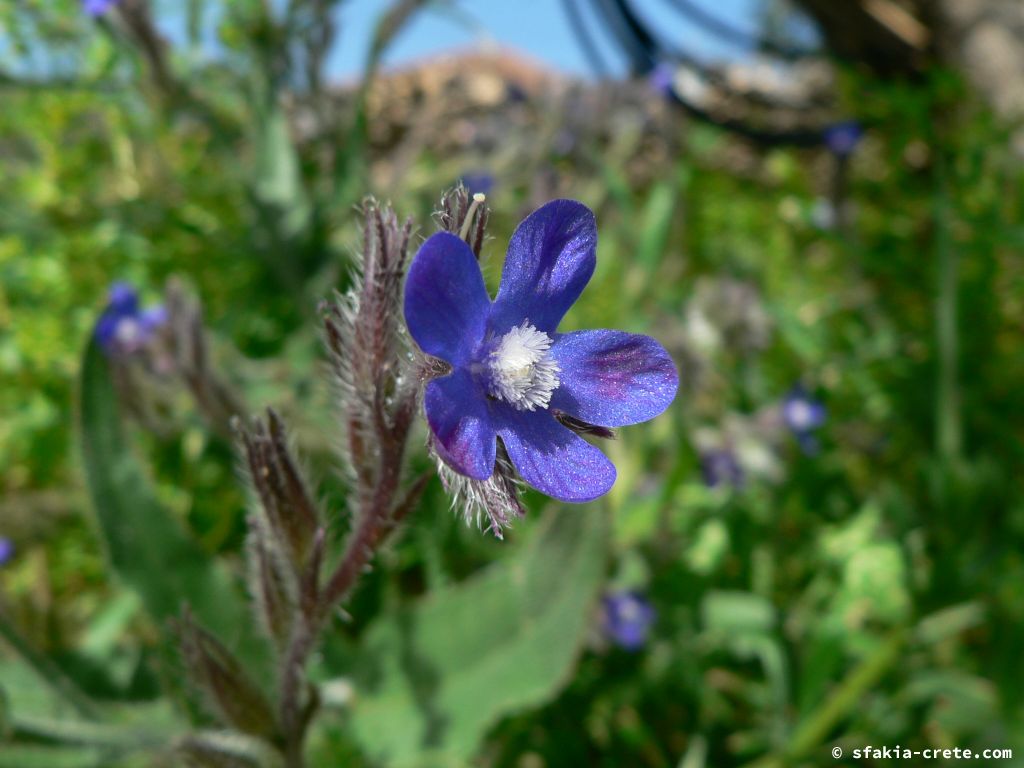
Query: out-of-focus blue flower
(516, 94)
(662, 79)
(98, 7)
(122, 304)
(627, 620)
(513, 375)
(842, 138)
(6, 550)
(123, 297)
(153, 318)
(802, 414)
(720, 467)
(123, 328)
(478, 181)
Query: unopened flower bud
(290, 511)
(228, 690)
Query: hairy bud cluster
(229, 692)
(370, 357)
(286, 535)
(153, 351)
(464, 215)
(378, 387)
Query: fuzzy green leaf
(434, 678)
(147, 548)
(35, 756)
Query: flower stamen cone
(521, 370)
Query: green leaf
(951, 621)
(149, 550)
(277, 185)
(18, 756)
(41, 729)
(737, 613)
(78, 744)
(142, 727)
(656, 224)
(959, 702)
(434, 678)
(36, 681)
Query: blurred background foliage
(859, 586)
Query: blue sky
(538, 27)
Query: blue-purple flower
(514, 376)
(662, 79)
(97, 7)
(802, 414)
(478, 181)
(124, 327)
(6, 550)
(842, 138)
(627, 620)
(720, 467)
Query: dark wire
(649, 48)
(801, 137)
(579, 28)
(728, 32)
(646, 52)
(653, 50)
(645, 47)
(635, 41)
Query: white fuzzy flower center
(521, 370)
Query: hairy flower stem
(362, 545)
(293, 663)
(379, 392)
(377, 522)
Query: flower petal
(551, 458)
(551, 257)
(612, 378)
(446, 302)
(458, 417)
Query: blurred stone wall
(986, 39)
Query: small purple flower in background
(6, 550)
(662, 79)
(478, 181)
(802, 414)
(123, 328)
(678, 84)
(97, 7)
(842, 138)
(123, 297)
(513, 376)
(516, 94)
(719, 467)
(627, 620)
